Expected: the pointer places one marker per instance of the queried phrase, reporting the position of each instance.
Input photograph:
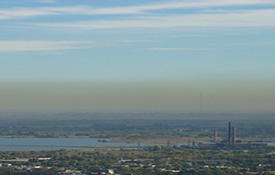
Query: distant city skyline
(138, 55)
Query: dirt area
(160, 139)
(258, 139)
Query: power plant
(230, 142)
(231, 134)
(231, 139)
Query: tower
(233, 135)
(229, 133)
(215, 136)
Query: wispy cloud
(255, 44)
(180, 49)
(43, 1)
(21, 45)
(241, 18)
(140, 41)
(14, 13)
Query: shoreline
(152, 139)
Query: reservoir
(35, 144)
(38, 144)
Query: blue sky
(205, 45)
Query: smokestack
(229, 133)
(233, 135)
(215, 136)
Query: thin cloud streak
(43, 1)
(140, 41)
(181, 49)
(20, 45)
(242, 18)
(17, 13)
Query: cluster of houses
(24, 167)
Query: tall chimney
(229, 133)
(215, 136)
(233, 135)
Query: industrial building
(230, 142)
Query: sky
(137, 55)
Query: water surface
(32, 144)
